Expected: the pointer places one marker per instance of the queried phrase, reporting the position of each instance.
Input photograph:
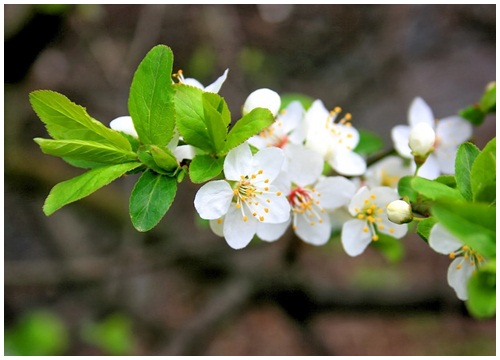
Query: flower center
(306, 202)
(251, 193)
(338, 129)
(370, 212)
(275, 135)
(179, 76)
(474, 258)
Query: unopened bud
(399, 212)
(422, 139)
(263, 98)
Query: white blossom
(214, 87)
(262, 98)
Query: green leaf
(204, 168)
(405, 188)
(219, 104)
(83, 185)
(434, 190)
(369, 143)
(448, 180)
(482, 291)
(214, 122)
(67, 121)
(249, 125)
(151, 99)
(472, 223)
(190, 117)
(483, 174)
(86, 151)
(472, 114)
(424, 227)
(487, 104)
(466, 154)
(150, 199)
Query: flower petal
(278, 207)
(217, 84)
(358, 200)
(387, 227)
(304, 166)
(184, 152)
(400, 135)
(193, 82)
(213, 199)
(336, 191)
(292, 116)
(125, 125)
(446, 159)
(354, 239)
(459, 273)
(270, 160)
(312, 231)
(237, 232)
(263, 98)
(442, 241)
(217, 226)
(419, 112)
(272, 232)
(238, 162)
(348, 163)
(453, 131)
(430, 169)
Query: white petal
(384, 195)
(278, 207)
(213, 199)
(400, 135)
(387, 172)
(217, 84)
(193, 82)
(124, 124)
(453, 130)
(386, 226)
(184, 152)
(304, 166)
(446, 159)
(458, 277)
(272, 232)
(422, 139)
(263, 98)
(354, 239)
(350, 136)
(270, 160)
(348, 163)
(442, 241)
(420, 112)
(338, 218)
(358, 200)
(258, 141)
(238, 233)
(316, 234)
(336, 191)
(430, 170)
(238, 162)
(217, 227)
(292, 116)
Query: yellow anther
(465, 248)
(260, 171)
(365, 229)
(391, 230)
(372, 196)
(278, 193)
(294, 227)
(268, 200)
(348, 116)
(381, 227)
(235, 191)
(261, 218)
(337, 109)
(375, 237)
(219, 221)
(361, 216)
(245, 218)
(367, 201)
(266, 188)
(238, 205)
(266, 210)
(254, 176)
(349, 136)
(312, 222)
(452, 255)
(459, 266)
(369, 211)
(266, 181)
(370, 219)
(320, 221)
(254, 214)
(356, 210)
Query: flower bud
(422, 139)
(264, 98)
(399, 212)
(124, 124)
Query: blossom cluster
(303, 173)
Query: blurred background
(84, 282)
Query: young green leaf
(424, 227)
(216, 126)
(473, 223)
(85, 151)
(472, 114)
(161, 160)
(482, 291)
(67, 121)
(83, 185)
(150, 199)
(434, 190)
(219, 104)
(249, 125)
(151, 99)
(488, 101)
(466, 154)
(190, 117)
(483, 174)
(204, 168)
